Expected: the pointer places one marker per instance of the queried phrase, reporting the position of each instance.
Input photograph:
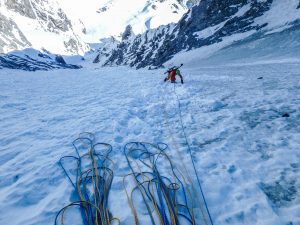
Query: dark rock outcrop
(41, 61)
(127, 33)
(59, 59)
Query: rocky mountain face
(41, 24)
(209, 22)
(11, 37)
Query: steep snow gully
(244, 134)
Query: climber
(172, 72)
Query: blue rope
(167, 194)
(190, 153)
(96, 175)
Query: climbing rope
(184, 167)
(191, 155)
(159, 190)
(91, 177)
(164, 191)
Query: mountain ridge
(209, 22)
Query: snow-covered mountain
(40, 24)
(110, 17)
(33, 60)
(216, 23)
(64, 27)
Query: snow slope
(246, 49)
(244, 133)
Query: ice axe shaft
(174, 68)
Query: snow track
(244, 133)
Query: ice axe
(178, 66)
(173, 68)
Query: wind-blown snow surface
(247, 153)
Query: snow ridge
(33, 60)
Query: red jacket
(172, 75)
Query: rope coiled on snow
(91, 178)
(162, 188)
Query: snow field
(247, 153)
